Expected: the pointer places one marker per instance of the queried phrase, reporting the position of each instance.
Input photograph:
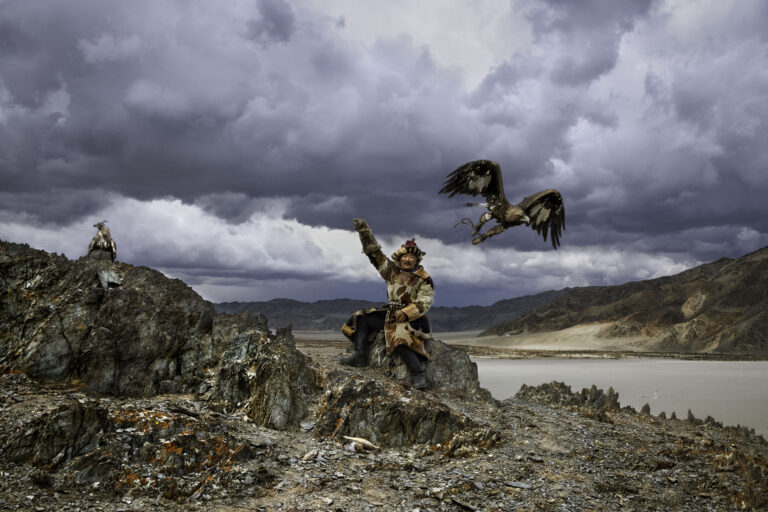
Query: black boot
(360, 356)
(413, 363)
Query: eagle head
(514, 216)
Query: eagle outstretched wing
(481, 177)
(546, 213)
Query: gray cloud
(276, 23)
(648, 116)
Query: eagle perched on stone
(543, 211)
(103, 242)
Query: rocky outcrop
(448, 369)
(59, 323)
(267, 377)
(115, 447)
(152, 335)
(71, 430)
(387, 415)
(64, 450)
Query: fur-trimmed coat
(413, 289)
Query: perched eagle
(542, 211)
(103, 241)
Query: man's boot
(360, 356)
(413, 363)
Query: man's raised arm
(371, 247)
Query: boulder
(56, 437)
(448, 369)
(388, 415)
(267, 376)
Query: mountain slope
(717, 307)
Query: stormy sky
(230, 144)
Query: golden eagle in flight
(543, 211)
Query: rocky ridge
(190, 409)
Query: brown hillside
(716, 307)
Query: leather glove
(401, 317)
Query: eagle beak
(526, 220)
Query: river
(733, 392)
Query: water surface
(733, 392)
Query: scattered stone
(359, 444)
(310, 455)
(517, 485)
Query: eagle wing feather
(480, 177)
(547, 214)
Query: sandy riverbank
(577, 338)
(573, 343)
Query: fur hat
(409, 247)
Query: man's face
(408, 261)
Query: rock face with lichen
(151, 335)
(383, 413)
(266, 376)
(58, 323)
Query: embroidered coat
(411, 292)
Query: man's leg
(413, 363)
(366, 324)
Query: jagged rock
(385, 414)
(268, 375)
(57, 437)
(59, 323)
(109, 279)
(120, 448)
(151, 335)
(592, 403)
(448, 368)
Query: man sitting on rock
(410, 294)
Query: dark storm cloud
(56, 206)
(277, 22)
(148, 119)
(588, 34)
(649, 117)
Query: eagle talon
(467, 222)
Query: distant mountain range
(331, 314)
(716, 307)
